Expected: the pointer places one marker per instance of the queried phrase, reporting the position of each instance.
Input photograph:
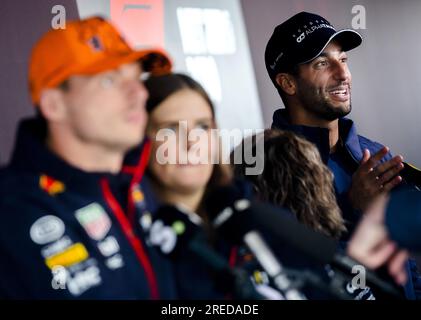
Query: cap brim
(154, 61)
(347, 38)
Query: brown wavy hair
(295, 177)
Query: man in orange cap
(69, 204)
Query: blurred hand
(371, 245)
(372, 178)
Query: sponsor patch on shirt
(109, 246)
(138, 195)
(47, 229)
(115, 262)
(51, 185)
(73, 255)
(76, 279)
(56, 247)
(94, 219)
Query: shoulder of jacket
(373, 146)
(369, 144)
(22, 197)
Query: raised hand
(373, 178)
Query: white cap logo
(301, 37)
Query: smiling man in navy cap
(306, 59)
(307, 62)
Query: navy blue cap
(303, 38)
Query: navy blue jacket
(351, 155)
(67, 234)
(343, 166)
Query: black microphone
(235, 216)
(176, 231)
(278, 222)
(243, 231)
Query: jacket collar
(320, 136)
(32, 155)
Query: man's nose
(136, 88)
(342, 71)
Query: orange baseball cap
(85, 47)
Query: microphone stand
(272, 266)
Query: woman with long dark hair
(184, 166)
(185, 163)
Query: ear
(52, 105)
(287, 83)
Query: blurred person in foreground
(68, 203)
(306, 59)
(389, 230)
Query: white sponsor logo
(109, 246)
(145, 221)
(77, 283)
(47, 229)
(273, 65)
(83, 280)
(301, 37)
(163, 236)
(320, 26)
(115, 262)
(56, 247)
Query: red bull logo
(51, 185)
